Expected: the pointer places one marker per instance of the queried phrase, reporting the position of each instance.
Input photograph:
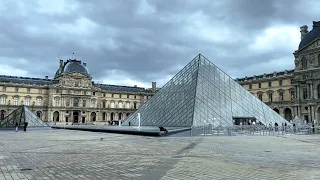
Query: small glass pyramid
(21, 115)
(201, 94)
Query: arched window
(39, 114)
(120, 104)
(103, 104)
(304, 63)
(318, 91)
(112, 104)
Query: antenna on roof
(72, 55)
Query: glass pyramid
(21, 115)
(201, 94)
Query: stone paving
(66, 154)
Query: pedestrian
(17, 126)
(25, 126)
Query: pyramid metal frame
(202, 94)
(21, 115)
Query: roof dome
(73, 66)
(311, 36)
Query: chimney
(47, 77)
(85, 64)
(61, 66)
(303, 31)
(154, 87)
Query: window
(112, 95)
(17, 89)
(120, 105)
(128, 96)
(112, 104)
(135, 96)
(292, 95)
(259, 85)
(269, 84)
(103, 104)
(68, 102)
(128, 105)
(270, 97)
(84, 103)
(75, 102)
(77, 83)
(305, 93)
(134, 105)
(39, 100)
(304, 63)
(318, 91)
(93, 103)
(280, 82)
(280, 96)
(250, 87)
(120, 96)
(319, 60)
(260, 97)
(15, 101)
(28, 101)
(4, 88)
(104, 94)
(57, 101)
(94, 93)
(28, 90)
(57, 90)
(40, 91)
(3, 100)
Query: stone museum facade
(71, 96)
(293, 92)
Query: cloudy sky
(130, 42)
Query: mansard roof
(40, 81)
(24, 80)
(269, 75)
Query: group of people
(24, 127)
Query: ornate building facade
(71, 96)
(293, 92)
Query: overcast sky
(130, 42)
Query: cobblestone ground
(63, 154)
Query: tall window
(39, 101)
(134, 105)
(305, 93)
(269, 84)
(15, 101)
(128, 96)
(270, 97)
(318, 91)
(292, 95)
(103, 104)
(3, 100)
(28, 90)
(112, 104)
(281, 96)
(28, 101)
(57, 100)
(260, 97)
(128, 105)
(259, 85)
(304, 63)
(120, 104)
(68, 102)
(280, 82)
(84, 103)
(250, 87)
(93, 103)
(75, 102)
(319, 60)
(17, 89)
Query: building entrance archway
(287, 114)
(56, 115)
(276, 110)
(75, 116)
(3, 114)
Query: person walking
(17, 126)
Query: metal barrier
(255, 130)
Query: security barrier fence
(255, 130)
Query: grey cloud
(145, 46)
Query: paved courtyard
(66, 154)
